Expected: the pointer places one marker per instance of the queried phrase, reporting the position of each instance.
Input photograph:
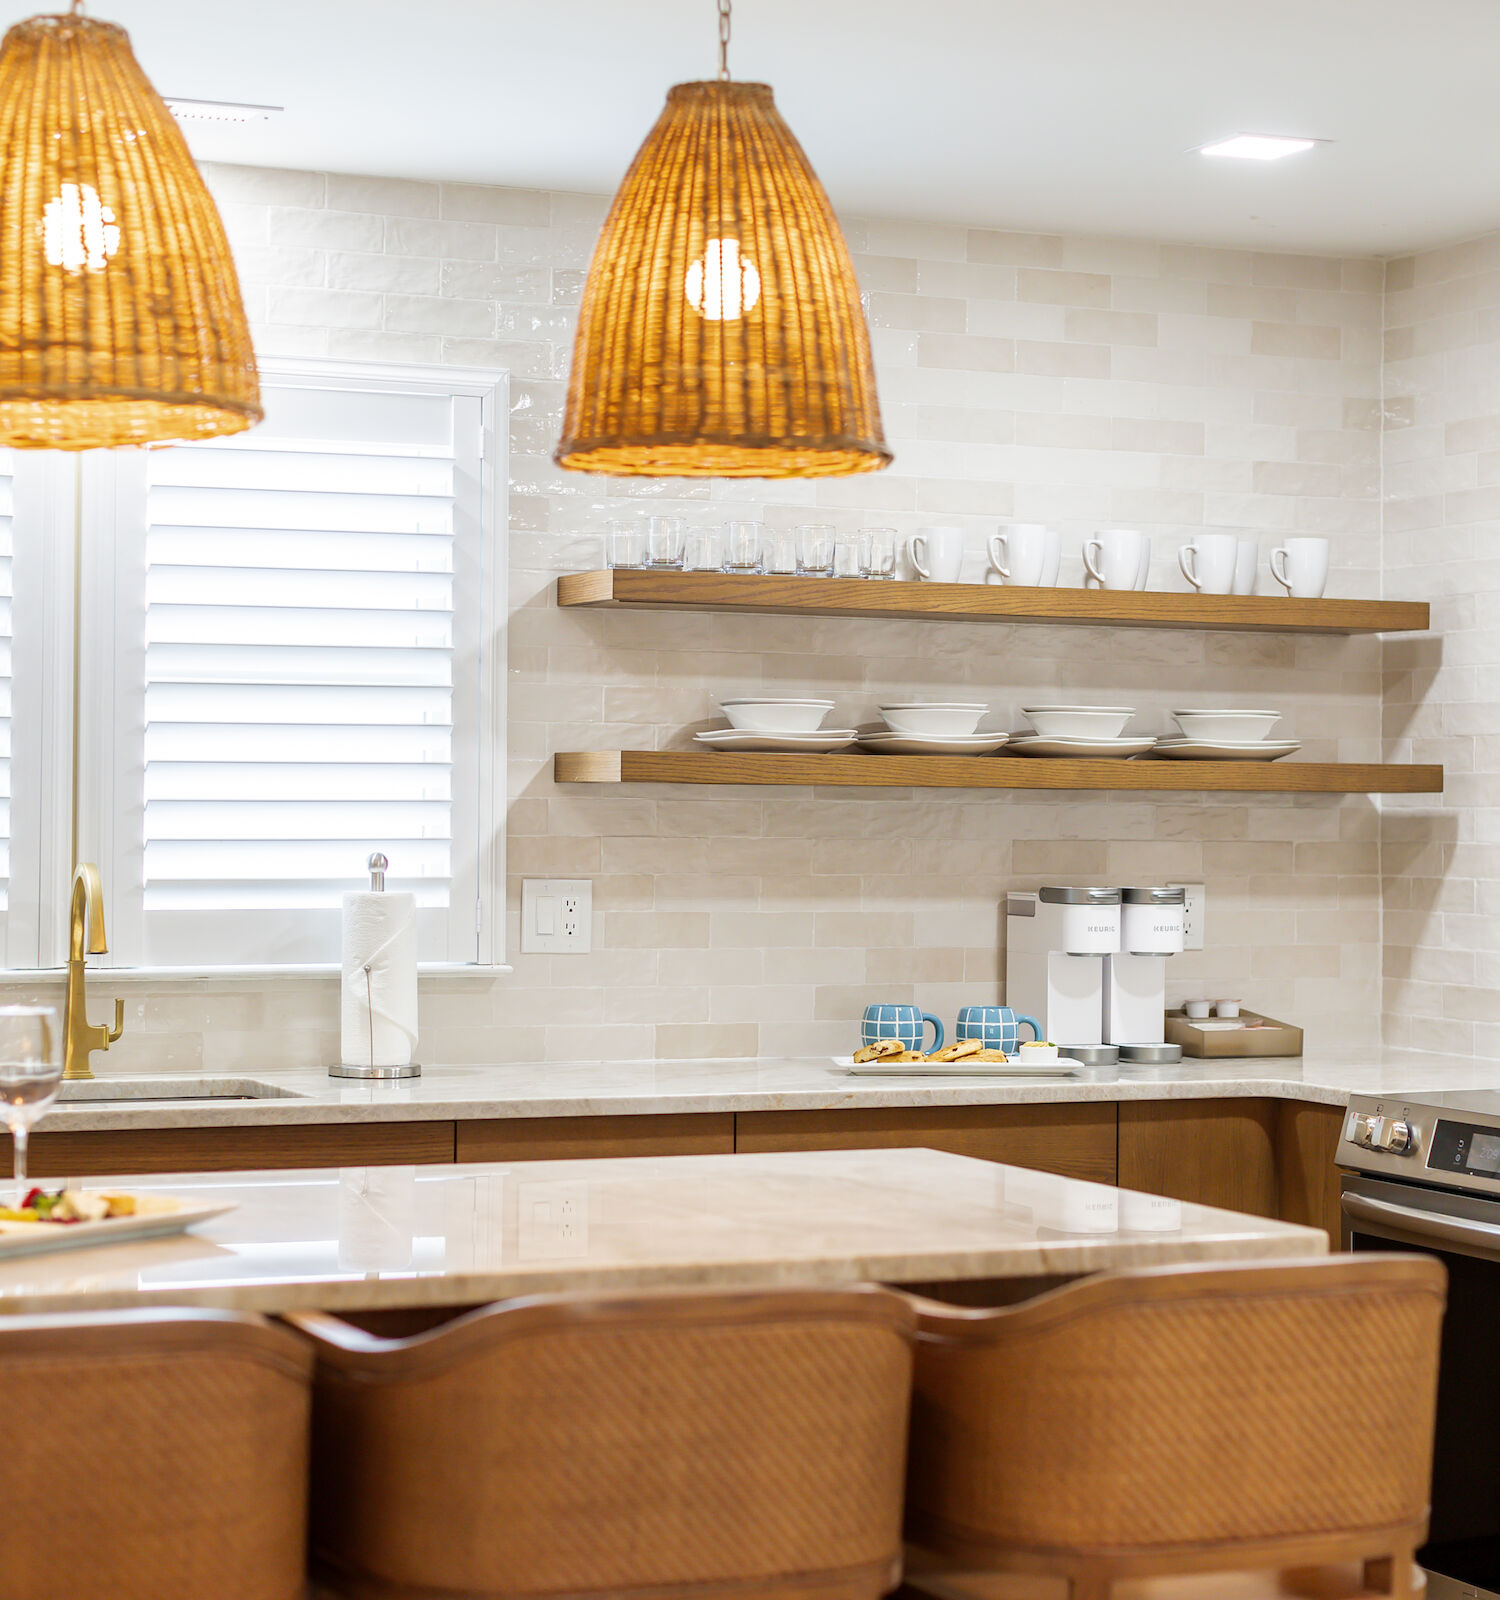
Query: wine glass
(30, 1074)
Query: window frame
(112, 487)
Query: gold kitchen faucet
(85, 937)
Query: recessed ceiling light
(218, 110)
(1258, 146)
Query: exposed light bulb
(721, 285)
(79, 232)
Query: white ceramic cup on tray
(1208, 562)
(1303, 567)
(1114, 557)
(1246, 560)
(1027, 554)
(938, 553)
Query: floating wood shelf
(991, 772)
(982, 602)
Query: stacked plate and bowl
(1080, 732)
(1226, 736)
(930, 728)
(777, 724)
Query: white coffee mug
(938, 553)
(1143, 572)
(1113, 557)
(1027, 554)
(1303, 569)
(1246, 560)
(1208, 562)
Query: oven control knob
(1362, 1130)
(1393, 1135)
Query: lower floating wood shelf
(992, 772)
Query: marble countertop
(401, 1236)
(567, 1089)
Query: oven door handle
(1425, 1224)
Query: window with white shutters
(305, 629)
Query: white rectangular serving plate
(36, 1238)
(1063, 1067)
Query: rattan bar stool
(706, 1444)
(153, 1455)
(1242, 1419)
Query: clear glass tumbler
(742, 542)
(781, 551)
(664, 537)
(31, 1067)
(704, 550)
(877, 552)
(625, 544)
(815, 541)
(846, 556)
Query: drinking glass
(625, 543)
(664, 541)
(877, 552)
(30, 1073)
(781, 550)
(704, 550)
(846, 556)
(742, 546)
(815, 541)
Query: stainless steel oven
(1425, 1175)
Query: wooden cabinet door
(584, 1138)
(1307, 1139)
(1212, 1152)
(1076, 1140)
(354, 1144)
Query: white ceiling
(1059, 115)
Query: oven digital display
(1465, 1147)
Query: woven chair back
(581, 1447)
(1172, 1410)
(152, 1454)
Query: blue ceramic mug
(996, 1027)
(906, 1023)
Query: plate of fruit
(73, 1219)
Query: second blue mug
(996, 1027)
(906, 1023)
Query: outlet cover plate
(557, 916)
(1194, 913)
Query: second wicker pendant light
(721, 333)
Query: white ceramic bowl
(1226, 724)
(776, 716)
(940, 719)
(1078, 722)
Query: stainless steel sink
(135, 1091)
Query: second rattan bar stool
(711, 1444)
(153, 1455)
(1188, 1420)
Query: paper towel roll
(380, 979)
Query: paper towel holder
(345, 1069)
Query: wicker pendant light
(721, 333)
(120, 313)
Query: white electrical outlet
(553, 1220)
(557, 916)
(1194, 913)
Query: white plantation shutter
(305, 620)
(7, 551)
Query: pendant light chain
(723, 40)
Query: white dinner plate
(35, 1238)
(1063, 1067)
(1226, 749)
(930, 744)
(1033, 744)
(808, 743)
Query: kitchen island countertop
(367, 1238)
(634, 1088)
